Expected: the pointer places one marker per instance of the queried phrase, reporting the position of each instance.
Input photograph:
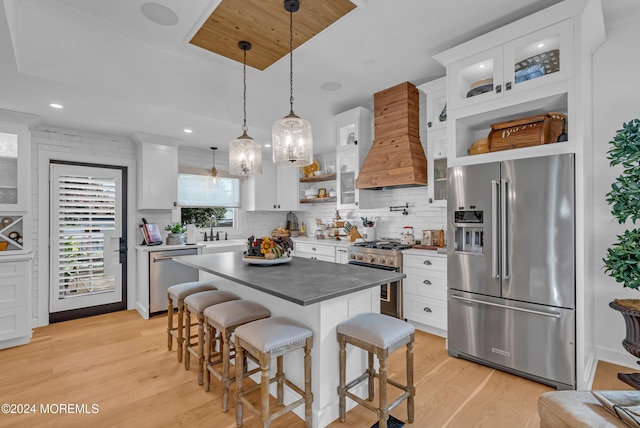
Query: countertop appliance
(511, 267)
(164, 272)
(387, 255)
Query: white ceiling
(116, 72)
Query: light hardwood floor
(120, 362)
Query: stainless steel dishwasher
(164, 272)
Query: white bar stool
(224, 318)
(378, 335)
(265, 339)
(197, 303)
(175, 296)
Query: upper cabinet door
(528, 62)
(15, 169)
(157, 177)
(475, 79)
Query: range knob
(382, 260)
(359, 256)
(352, 256)
(370, 258)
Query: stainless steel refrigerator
(511, 267)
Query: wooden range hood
(396, 158)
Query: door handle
(513, 308)
(504, 198)
(494, 229)
(162, 258)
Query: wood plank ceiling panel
(265, 24)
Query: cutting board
(425, 247)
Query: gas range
(384, 253)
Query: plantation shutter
(86, 214)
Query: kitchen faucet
(213, 220)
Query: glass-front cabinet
(14, 167)
(435, 93)
(353, 141)
(539, 58)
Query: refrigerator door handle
(494, 229)
(504, 259)
(530, 311)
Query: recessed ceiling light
(54, 105)
(331, 86)
(481, 65)
(159, 14)
(541, 45)
(188, 131)
(267, 145)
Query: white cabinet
(275, 189)
(527, 62)
(342, 255)
(425, 290)
(436, 140)
(532, 70)
(15, 167)
(315, 251)
(157, 176)
(353, 141)
(15, 304)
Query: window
(206, 202)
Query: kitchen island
(319, 294)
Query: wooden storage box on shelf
(527, 131)
(480, 146)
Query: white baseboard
(619, 357)
(428, 329)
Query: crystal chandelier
(291, 135)
(245, 153)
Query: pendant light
(245, 153)
(214, 171)
(291, 135)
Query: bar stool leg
(308, 395)
(185, 340)
(372, 377)
(180, 329)
(226, 381)
(265, 362)
(239, 375)
(169, 323)
(207, 355)
(383, 411)
(412, 389)
(200, 349)
(279, 381)
(343, 381)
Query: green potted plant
(176, 233)
(622, 259)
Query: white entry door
(86, 227)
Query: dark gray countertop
(301, 281)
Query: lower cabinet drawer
(324, 250)
(425, 285)
(324, 258)
(428, 311)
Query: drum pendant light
(245, 153)
(291, 135)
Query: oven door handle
(369, 265)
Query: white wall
(49, 143)
(616, 66)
